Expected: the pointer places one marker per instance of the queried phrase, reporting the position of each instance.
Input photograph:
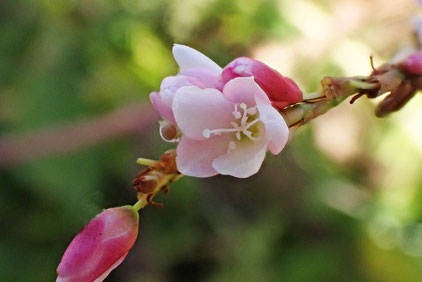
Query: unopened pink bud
(281, 90)
(100, 247)
(413, 64)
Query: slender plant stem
(143, 198)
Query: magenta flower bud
(100, 247)
(281, 90)
(413, 64)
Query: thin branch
(70, 138)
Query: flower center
(245, 124)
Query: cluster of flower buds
(402, 80)
(225, 120)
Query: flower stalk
(155, 178)
(395, 79)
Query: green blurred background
(343, 202)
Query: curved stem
(140, 204)
(145, 198)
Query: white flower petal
(209, 79)
(197, 109)
(194, 157)
(171, 84)
(244, 161)
(162, 108)
(276, 129)
(241, 90)
(188, 58)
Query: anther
(206, 133)
(236, 113)
(237, 135)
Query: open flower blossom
(226, 132)
(226, 118)
(100, 247)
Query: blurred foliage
(347, 211)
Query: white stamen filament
(252, 123)
(237, 129)
(245, 114)
(207, 132)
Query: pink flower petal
(188, 58)
(241, 90)
(163, 100)
(276, 129)
(171, 84)
(243, 162)
(162, 108)
(208, 78)
(195, 157)
(100, 246)
(110, 269)
(198, 109)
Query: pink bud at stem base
(100, 247)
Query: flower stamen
(236, 113)
(237, 129)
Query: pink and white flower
(100, 247)
(226, 132)
(227, 118)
